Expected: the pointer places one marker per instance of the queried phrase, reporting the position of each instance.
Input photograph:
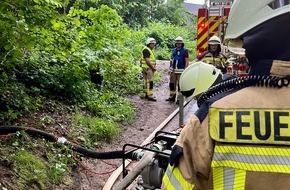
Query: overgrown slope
(66, 68)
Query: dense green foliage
(49, 48)
(136, 13)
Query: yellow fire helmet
(197, 78)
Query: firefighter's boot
(171, 99)
(151, 98)
(172, 94)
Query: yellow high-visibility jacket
(152, 59)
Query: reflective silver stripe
(254, 159)
(174, 182)
(229, 174)
(258, 159)
(226, 178)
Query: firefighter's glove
(177, 151)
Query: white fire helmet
(247, 14)
(150, 41)
(179, 39)
(214, 40)
(198, 78)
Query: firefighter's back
(250, 129)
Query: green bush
(15, 100)
(110, 106)
(91, 131)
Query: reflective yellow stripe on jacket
(152, 58)
(230, 164)
(173, 180)
(216, 61)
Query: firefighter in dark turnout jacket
(239, 137)
(214, 55)
(179, 60)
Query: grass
(35, 163)
(30, 169)
(92, 130)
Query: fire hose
(52, 138)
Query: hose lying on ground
(50, 137)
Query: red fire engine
(212, 21)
